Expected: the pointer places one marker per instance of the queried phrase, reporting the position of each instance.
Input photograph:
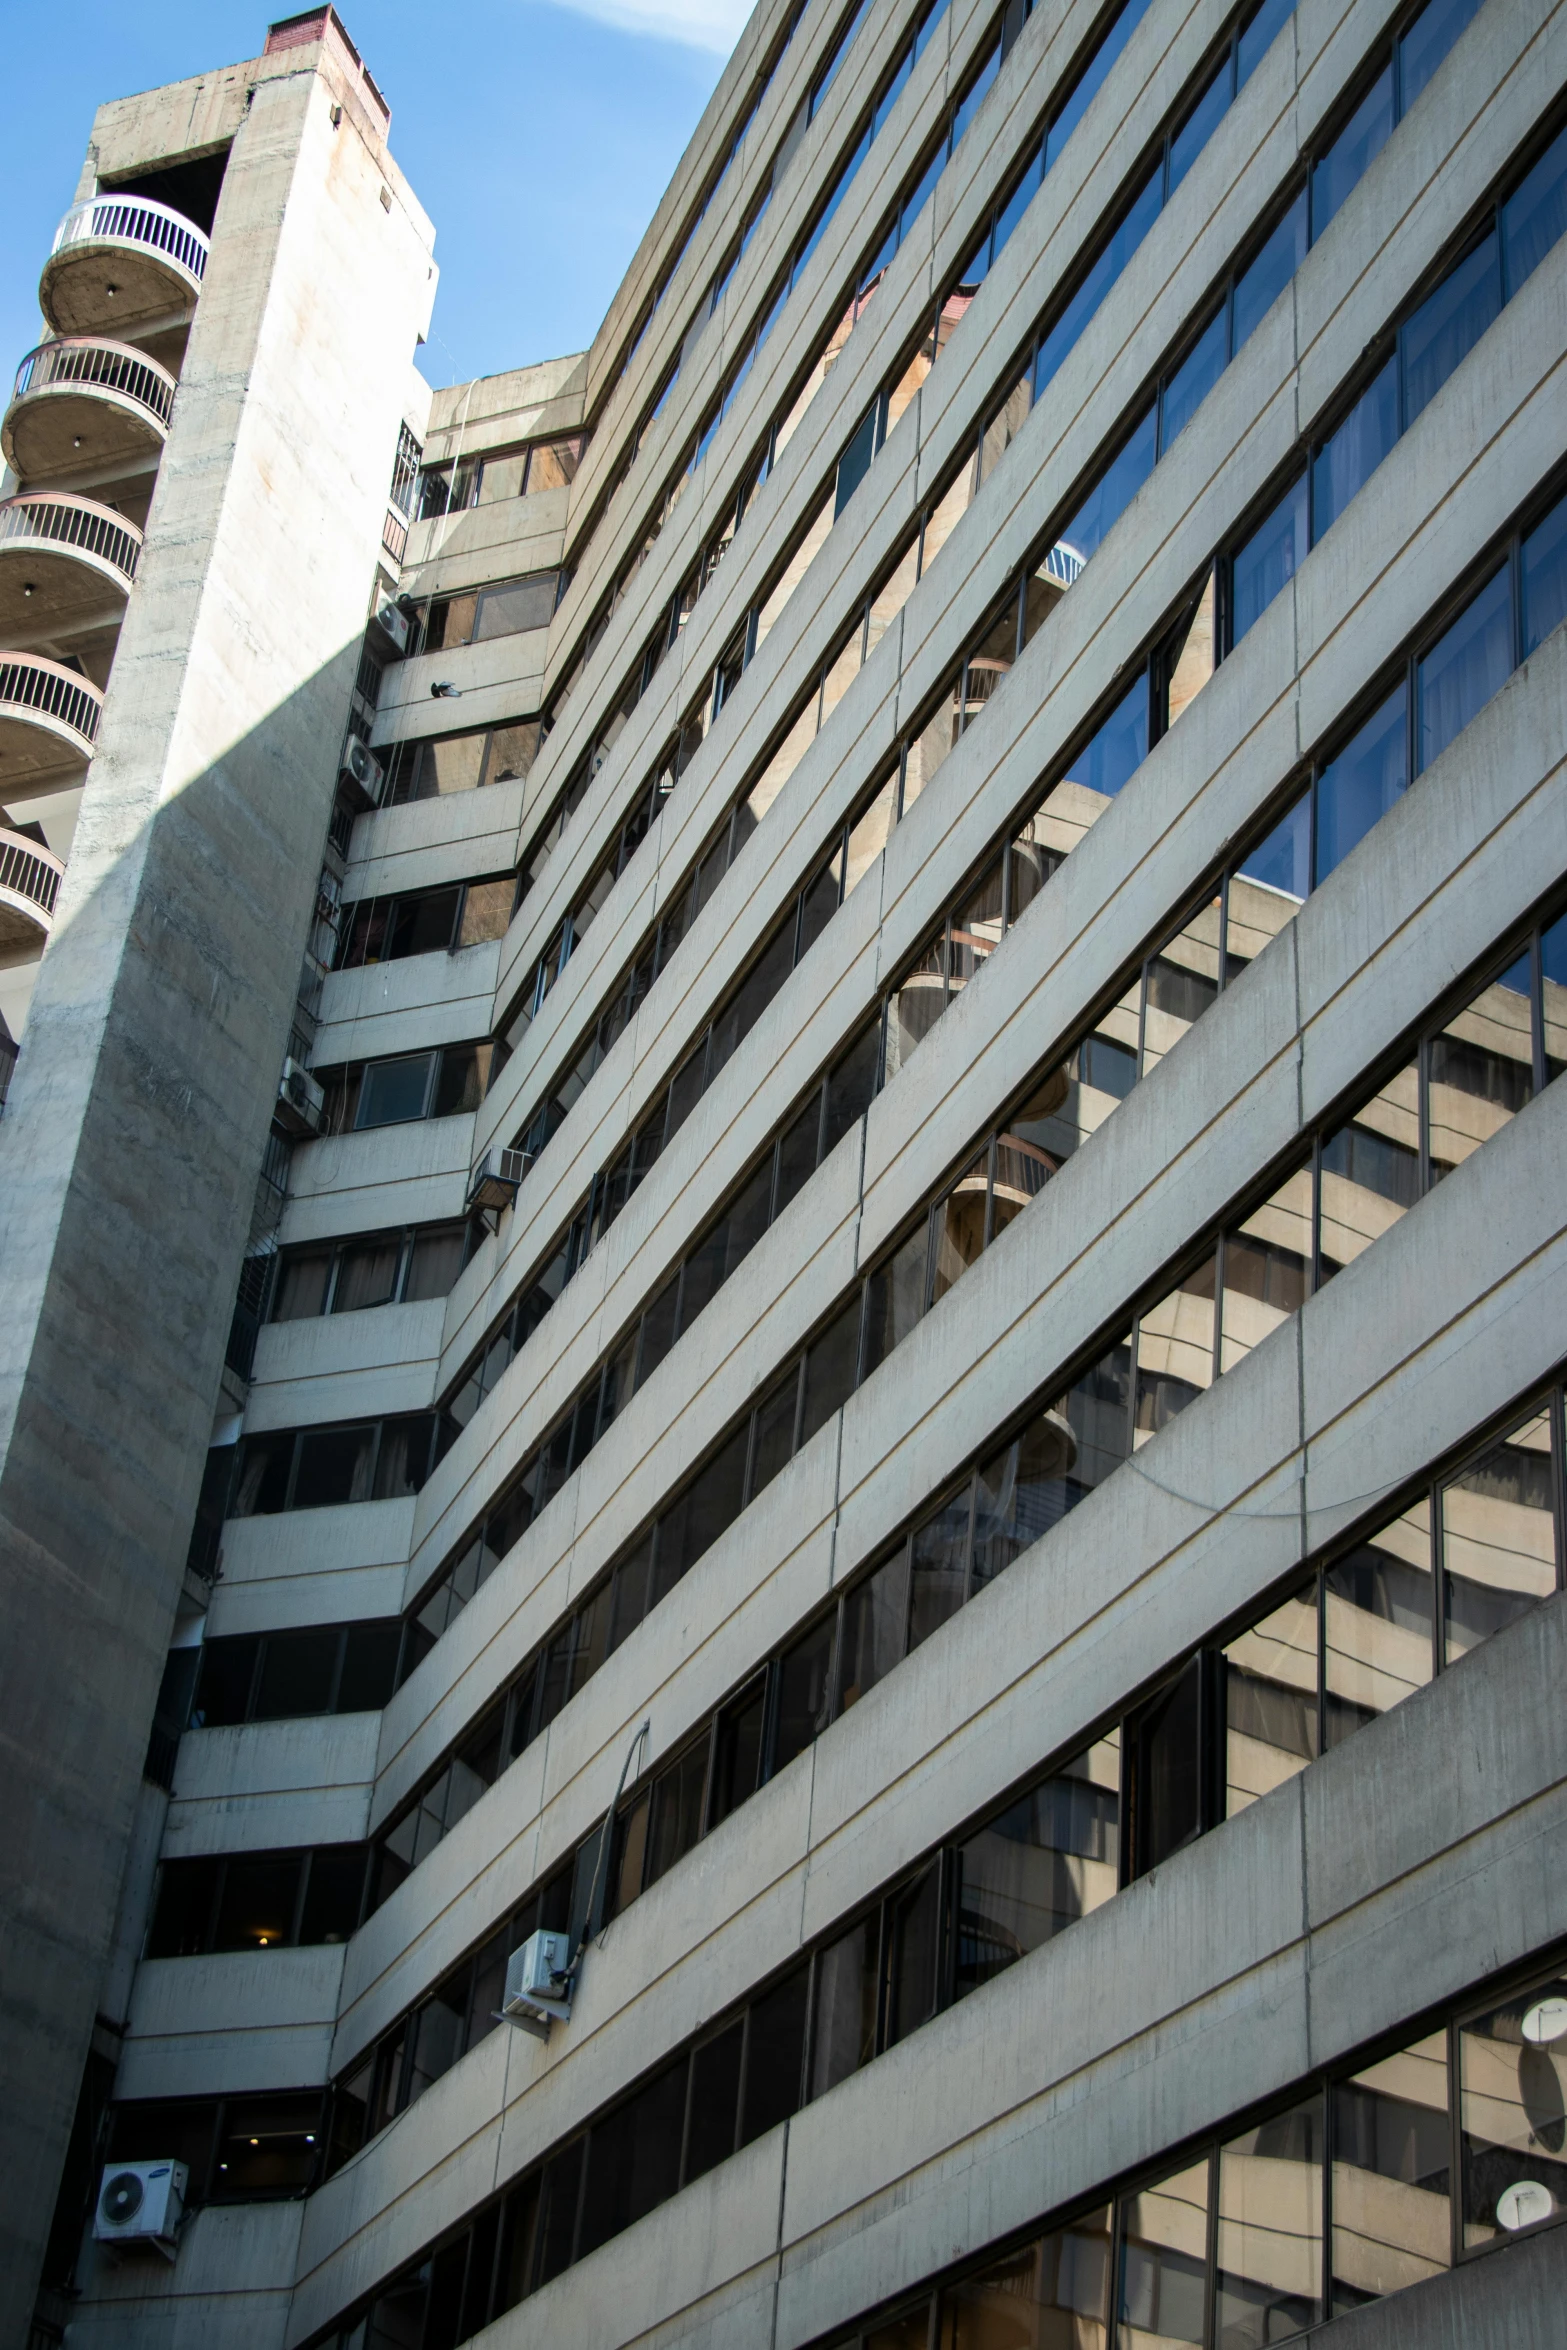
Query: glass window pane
(1115, 489)
(1050, 1858)
(1037, 1140)
(1448, 324)
(1162, 2286)
(1175, 1351)
(1553, 965)
(1198, 128)
(775, 2050)
(1266, 562)
(1270, 1700)
(256, 1909)
(392, 1092)
(301, 1289)
(1164, 1758)
(830, 1365)
(1049, 2295)
(912, 1955)
(1019, 1491)
(875, 1628)
(1427, 42)
(960, 1226)
(268, 2146)
(1356, 789)
(897, 1297)
(1267, 887)
(938, 1567)
(1263, 280)
(1481, 1070)
(1189, 385)
(911, 2331)
(1347, 459)
(843, 2029)
(1370, 1171)
(1269, 2281)
(1363, 137)
(1377, 1623)
(366, 1274)
(775, 1417)
(297, 1672)
(1465, 667)
(1181, 982)
(1267, 1268)
(715, 2099)
(1545, 575)
(676, 1821)
(915, 1005)
(897, 587)
(804, 1692)
(1535, 215)
(634, 2157)
(1513, 2089)
(334, 1466)
(1499, 1535)
(1391, 2161)
(434, 1263)
(976, 929)
(928, 749)
(1007, 420)
(869, 833)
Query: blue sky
(539, 139)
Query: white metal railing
(1063, 563)
(53, 518)
(31, 686)
(98, 366)
(135, 220)
(30, 872)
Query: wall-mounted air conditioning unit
(391, 631)
(538, 1984)
(301, 1104)
(493, 1183)
(141, 2203)
(363, 773)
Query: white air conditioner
(538, 1983)
(494, 1182)
(363, 772)
(301, 1104)
(392, 626)
(141, 2203)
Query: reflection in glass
(1363, 137)
(1513, 2114)
(1049, 2295)
(1175, 1351)
(1499, 1535)
(1180, 984)
(1356, 790)
(843, 2029)
(1269, 2280)
(1377, 1610)
(1390, 2175)
(1162, 2280)
(1468, 663)
(1270, 1700)
(1481, 1070)
(1370, 1171)
(1049, 1859)
(1267, 1268)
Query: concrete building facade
(999, 1666)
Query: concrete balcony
(85, 402)
(48, 725)
(29, 887)
(65, 562)
(120, 263)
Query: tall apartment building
(783, 1376)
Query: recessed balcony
(64, 562)
(48, 725)
(119, 263)
(29, 886)
(86, 402)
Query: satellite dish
(122, 2198)
(1546, 2021)
(1524, 2204)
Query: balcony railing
(135, 220)
(95, 365)
(54, 520)
(30, 873)
(32, 687)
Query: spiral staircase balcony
(48, 725)
(85, 402)
(30, 879)
(121, 262)
(64, 562)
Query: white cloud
(701, 24)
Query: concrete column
(133, 1133)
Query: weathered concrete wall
(131, 1139)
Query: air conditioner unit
(363, 773)
(538, 1984)
(391, 625)
(494, 1182)
(301, 1104)
(141, 2203)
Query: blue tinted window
(917, 195)
(1363, 137)
(927, 28)
(1358, 787)
(1465, 666)
(969, 106)
(1093, 79)
(1545, 577)
(1268, 561)
(1192, 381)
(1263, 280)
(1448, 324)
(855, 463)
(1258, 38)
(391, 1092)
(1283, 860)
(1019, 201)
(1113, 755)
(1198, 128)
(1115, 489)
(1535, 215)
(1427, 42)
(1349, 457)
(894, 90)
(1106, 268)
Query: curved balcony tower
(65, 563)
(29, 886)
(122, 265)
(48, 726)
(86, 405)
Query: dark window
(334, 1892)
(774, 2055)
(256, 1907)
(634, 2157)
(182, 1920)
(268, 2146)
(298, 1670)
